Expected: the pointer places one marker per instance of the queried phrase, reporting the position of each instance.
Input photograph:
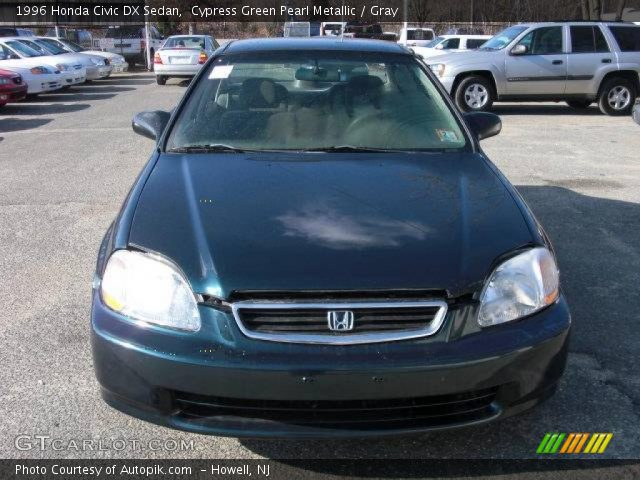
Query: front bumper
(74, 77)
(43, 83)
(97, 72)
(12, 93)
(447, 82)
(217, 381)
(119, 67)
(176, 70)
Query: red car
(12, 88)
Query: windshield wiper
(348, 149)
(209, 149)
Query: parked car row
(577, 62)
(33, 65)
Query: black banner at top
(109, 12)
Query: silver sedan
(182, 56)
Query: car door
(589, 52)
(542, 68)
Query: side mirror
(519, 50)
(439, 47)
(483, 124)
(150, 124)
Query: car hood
(80, 58)
(291, 222)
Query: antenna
(342, 23)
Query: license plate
(179, 60)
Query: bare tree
(620, 9)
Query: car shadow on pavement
(36, 109)
(597, 242)
(97, 88)
(537, 109)
(124, 81)
(17, 124)
(72, 96)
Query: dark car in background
(12, 88)
(319, 247)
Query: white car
(182, 56)
(451, 43)
(416, 36)
(118, 62)
(40, 78)
(72, 73)
(97, 67)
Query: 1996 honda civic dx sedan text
(319, 247)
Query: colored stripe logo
(553, 443)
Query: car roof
(314, 43)
(189, 36)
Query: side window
(473, 43)
(601, 42)
(543, 41)
(215, 43)
(587, 39)
(628, 38)
(451, 43)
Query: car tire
(617, 96)
(474, 94)
(161, 79)
(579, 104)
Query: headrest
(365, 84)
(261, 93)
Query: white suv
(576, 62)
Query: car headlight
(97, 61)
(4, 81)
(40, 70)
(150, 289)
(62, 67)
(438, 68)
(519, 287)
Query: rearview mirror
(150, 124)
(483, 124)
(519, 50)
(440, 47)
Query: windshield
(435, 42)
(316, 101)
(73, 46)
(125, 32)
(503, 38)
(23, 49)
(419, 34)
(184, 42)
(52, 45)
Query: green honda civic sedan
(319, 247)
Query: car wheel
(579, 104)
(474, 94)
(161, 80)
(617, 96)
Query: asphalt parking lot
(67, 161)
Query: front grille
(417, 412)
(356, 322)
(315, 320)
